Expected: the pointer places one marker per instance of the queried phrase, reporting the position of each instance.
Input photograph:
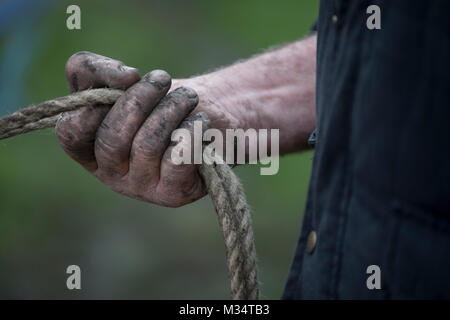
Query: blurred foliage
(54, 214)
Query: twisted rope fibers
(222, 184)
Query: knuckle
(141, 142)
(111, 147)
(110, 131)
(145, 148)
(109, 139)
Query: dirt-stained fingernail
(188, 92)
(159, 78)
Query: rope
(222, 184)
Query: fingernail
(158, 78)
(126, 68)
(189, 92)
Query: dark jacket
(380, 184)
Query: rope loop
(222, 184)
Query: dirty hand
(128, 146)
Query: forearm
(275, 90)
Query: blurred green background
(54, 214)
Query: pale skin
(128, 147)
